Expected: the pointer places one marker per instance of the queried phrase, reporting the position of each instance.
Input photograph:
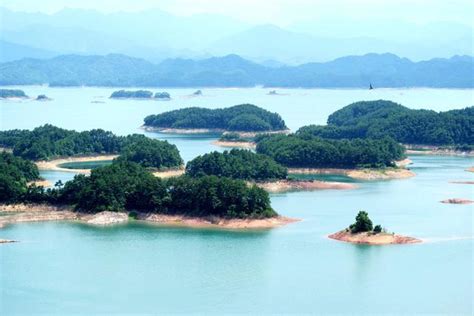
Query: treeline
(127, 186)
(15, 173)
(313, 152)
(47, 142)
(378, 119)
(237, 164)
(244, 117)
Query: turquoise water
(63, 268)
(85, 164)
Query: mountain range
(156, 35)
(380, 70)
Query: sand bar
(372, 239)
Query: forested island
(378, 119)
(239, 118)
(12, 93)
(364, 232)
(298, 151)
(124, 94)
(49, 142)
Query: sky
(279, 12)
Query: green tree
(362, 223)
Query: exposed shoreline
(434, 150)
(184, 131)
(237, 144)
(54, 164)
(373, 239)
(281, 186)
(20, 213)
(168, 173)
(359, 174)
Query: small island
(457, 201)
(165, 96)
(197, 93)
(245, 119)
(42, 97)
(12, 94)
(138, 94)
(363, 232)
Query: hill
(381, 70)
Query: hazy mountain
(156, 35)
(381, 70)
(11, 51)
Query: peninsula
(363, 232)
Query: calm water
(73, 268)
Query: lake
(61, 268)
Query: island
(256, 169)
(457, 201)
(162, 96)
(245, 119)
(12, 94)
(365, 159)
(138, 94)
(126, 190)
(42, 97)
(197, 93)
(363, 232)
(421, 130)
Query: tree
(377, 229)
(362, 224)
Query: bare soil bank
(244, 134)
(457, 201)
(308, 185)
(18, 213)
(372, 239)
(246, 145)
(360, 174)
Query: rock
(106, 218)
(6, 241)
(457, 201)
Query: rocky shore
(457, 201)
(20, 213)
(434, 150)
(243, 134)
(370, 238)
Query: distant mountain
(11, 51)
(380, 70)
(156, 35)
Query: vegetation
(378, 119)
(139, 94)
(47, 142)
(237, 164)
(128, 186)
(15, 173)
(10, 93)
(42, 97)
(244, 117)
(313, 152)
(151, 153)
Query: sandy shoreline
(54, 164)
(373, 239)
(434, 150)
(20, 213)
(306, 185)
(169, 172)
(221, 143)
(359, 174)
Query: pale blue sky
(281, 12)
